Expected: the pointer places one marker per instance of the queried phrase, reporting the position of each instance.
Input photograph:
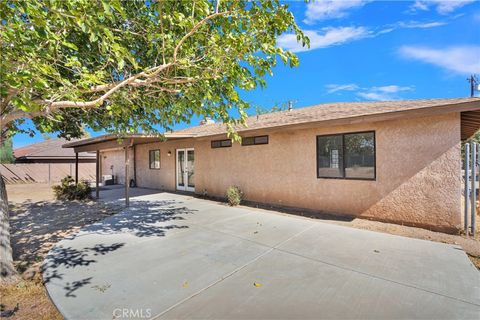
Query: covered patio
(128, 144)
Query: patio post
(467, 187)
(76, 168)
(473, 197)
(97, 174)
(127, 200)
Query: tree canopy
(125, 66)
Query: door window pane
(180, 168)
(360, 155)
(330, 156)
(191, 168)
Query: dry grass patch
(27, 299)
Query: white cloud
(376, 96)
(459, 59)
(420, 25)
(442, 6)
(322, 39)
(331, 88)
(328, 9)
(419, 5)
(388, 92)
(412, 24)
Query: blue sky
(371, 50)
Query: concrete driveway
(174, 256)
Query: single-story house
(395, 161)
(50, 151)
(48, 162)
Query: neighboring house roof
(49, 149)
(325, 114)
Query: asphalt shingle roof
(325, 112)
(51, 148)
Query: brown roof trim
(137, 137)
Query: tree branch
(194, 29)
(51, 106)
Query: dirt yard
(37, 222)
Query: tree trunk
(7, 271)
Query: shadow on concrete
(142, 219)
(145, 219)
(37, 226)
(70, 258)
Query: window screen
(349, 156)
(360, 155)
(330, 156)
(154, 157)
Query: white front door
(186, 169)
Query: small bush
(234, 195)
(67, 190)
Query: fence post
(467, 191)
(474, 188)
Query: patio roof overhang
(116, 141)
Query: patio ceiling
(470, 123)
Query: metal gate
(471, 166)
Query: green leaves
(60, 50)
(70, 45)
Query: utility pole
(473, 81)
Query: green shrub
(234, 195)
(67, 190)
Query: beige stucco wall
(417, 182)
(117, 159)
(418, 172)
(163, 178)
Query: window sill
(342, 178)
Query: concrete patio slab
(175, 256)
(423, 264)
(294, 287)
